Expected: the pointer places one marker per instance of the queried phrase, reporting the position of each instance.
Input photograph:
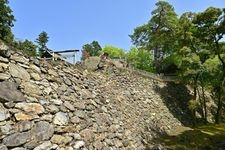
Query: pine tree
(42, 40)
(6, 21)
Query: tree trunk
(221, 86)
(204, 104)
(195, 98)
(156, 59)
(201, 104)
(219, 109)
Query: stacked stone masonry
(47, 106)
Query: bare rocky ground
(46, 105)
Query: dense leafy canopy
(92, 49)
(6, 21)
(42, 41)
(158, 35)
(194, 44)
(113, 52)
(140, 59)
(27, 47)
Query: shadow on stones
(210, 137)
(176, 97)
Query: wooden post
(68, 51)
(74, 58)
(53, 56)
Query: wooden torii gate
(57, 54)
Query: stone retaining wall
(57, 106)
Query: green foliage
(92, 49)
(190, 65)
(132, 55)
(185, 30)
(173, 59)
(210, 31)
(6, 22)
(159, 33)
(27, 47)
(114, 52)
(42, 40)
(192, 104)
(192, 43)
(140, 59)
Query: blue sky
(72, 23)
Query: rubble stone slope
(47, 105)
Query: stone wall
(46, 105)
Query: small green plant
(193, 104)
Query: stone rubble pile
(47, 105)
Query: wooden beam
(72, 55)
(66, 51)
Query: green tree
(190, 69)
(132, 56)
(114, 52)
(200, 46)
(27, 47)
(140, 59)
(92, 49)
(42, 40)
(185, 31)
(6, 21)
(191, 45)
(210, 31)
(159, 34)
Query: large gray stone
(42, 131)
(2, 59)
(52, 72)
(35, 68)
(3, 147)
(33, 108)
(87, 134)
(3, 67)
(91, 63)
(19, 72)
(6, 129)
(67, 81)
(61, 139)
(44, 146)
(69, 106)
(4, 50)
(31, 144)
(79, 144)
(9, 92)
(61, 118)
(4, 76)
(19, 148)
(23, 126)
(80, 114)
(35, 76)
(16, 139)
(20, 59)
(4, 113)
(86, 94)
(118, 63)
(22, 116)
(31, 89)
